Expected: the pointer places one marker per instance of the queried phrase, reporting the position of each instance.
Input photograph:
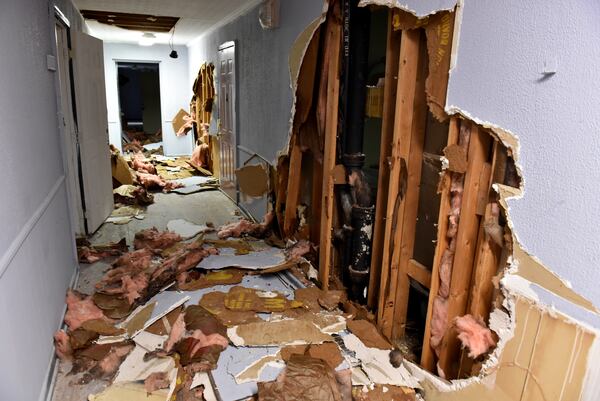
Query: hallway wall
(37, 254)
(263, 77)
(175, 90)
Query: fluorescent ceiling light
(147, 39)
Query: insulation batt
(150, 181)
(140, 164)
(207, 340)
(80, 309)
(133, 146)
(153, 239)
(246, 227)
(439, 318)
(200, 155)
(176, 334)
(474, 335)
(111, 362)
(156, 381)
(299, 249)
(63, 345)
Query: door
(227, 128)
(92, 129)
(68, 129)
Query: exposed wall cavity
(507, 83)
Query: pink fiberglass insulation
(474, 335)
(156, 381)
(299, 249)
(111, 362)
(80, 309)
(204, 340)
(150, 181)
(246, 227)
(439, 316)
(439, 319)
(155, 240)
(62, 345)
(140, 164)
(200, 155)
(133, 287)
(177, 332)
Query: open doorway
(139, 103)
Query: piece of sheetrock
(186, 229)
(165, 302)
(376, 364)
(259, 260)
(192, 189)
(253, 180)
(195, 180)
(283, 332)
(253, 372)
(129, 392)
(234, 360)
(134, 368)
(149, 341)
(202, 379)
(153, 146)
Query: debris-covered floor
(184, 314)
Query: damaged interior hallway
(312, 200)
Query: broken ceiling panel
(137, 22)
(418, 8)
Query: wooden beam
(466, 241)
(427, 355)
(419, 273)
(403, 121)
(334, 32)
(407, 214)
(315, 205)
(387, 132)
(293, 189)
(282, 179)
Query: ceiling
(196, 17)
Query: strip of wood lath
(136, 22)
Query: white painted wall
(37, 251)
(175, 90)
(263, 78)
(504, 46)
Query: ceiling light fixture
(173, 53)
(147, 39)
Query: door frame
(67, 122)
(224, 46)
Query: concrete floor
(199, 208)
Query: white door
(92, 128)
(227, 130)
(68, 129)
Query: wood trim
(331, 131)
(427, 355)
(387, 132)
(464, 257)
(403, 121)
(419, 273)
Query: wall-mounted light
(147, 39)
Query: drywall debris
(292, 384)
(376, 364)
(88, 253)
(202, 379)
(367, 332)
(283, 332)
(265, 258)
(135, 368)
(253, 371)
(129, 392)
(182, 122)
(194, 280)
(329, 352)
(186, 229)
